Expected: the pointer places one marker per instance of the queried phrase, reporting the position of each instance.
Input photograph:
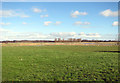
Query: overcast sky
(49, 20)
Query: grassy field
(59, 63)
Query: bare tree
(55, 39)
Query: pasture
(60, 63)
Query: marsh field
(59, 63)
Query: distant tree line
(99, 41)
(31, 41)
(57, 40)
(69, 40)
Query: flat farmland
(59, 63)
(60, 43)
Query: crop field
(61, 43)
(60, 63)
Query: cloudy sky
(49, 20)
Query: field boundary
(61, 43)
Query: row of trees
(31, 41)
(58, 40)
(69, 40)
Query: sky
(60, 0)
(50, 20)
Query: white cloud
(42, 16)
(7, 13)
(58, 22)
(82, 34)
(47, 23)
(108, 12)
(115, 23)
(4, 30)
(24, 16)
(77, 13)
(12, 13)
(93, 35)
(78, 23)
(90, 35)
(2, 23)
(7, 34)
(36, 10)
(11, 35)
(81, 23)
(4, 33)
(86, 23)
(24, 23)
(62, 34)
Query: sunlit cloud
(12, 13)
(81, 23)
(2, 23)
(42, 16)
(11, 35)
(37, 10)
(115, 23)
(24, 23)
(46, 23)
(77, 13)
(58, 22)
(109, 12)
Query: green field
(59, 63)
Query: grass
(59, 63)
